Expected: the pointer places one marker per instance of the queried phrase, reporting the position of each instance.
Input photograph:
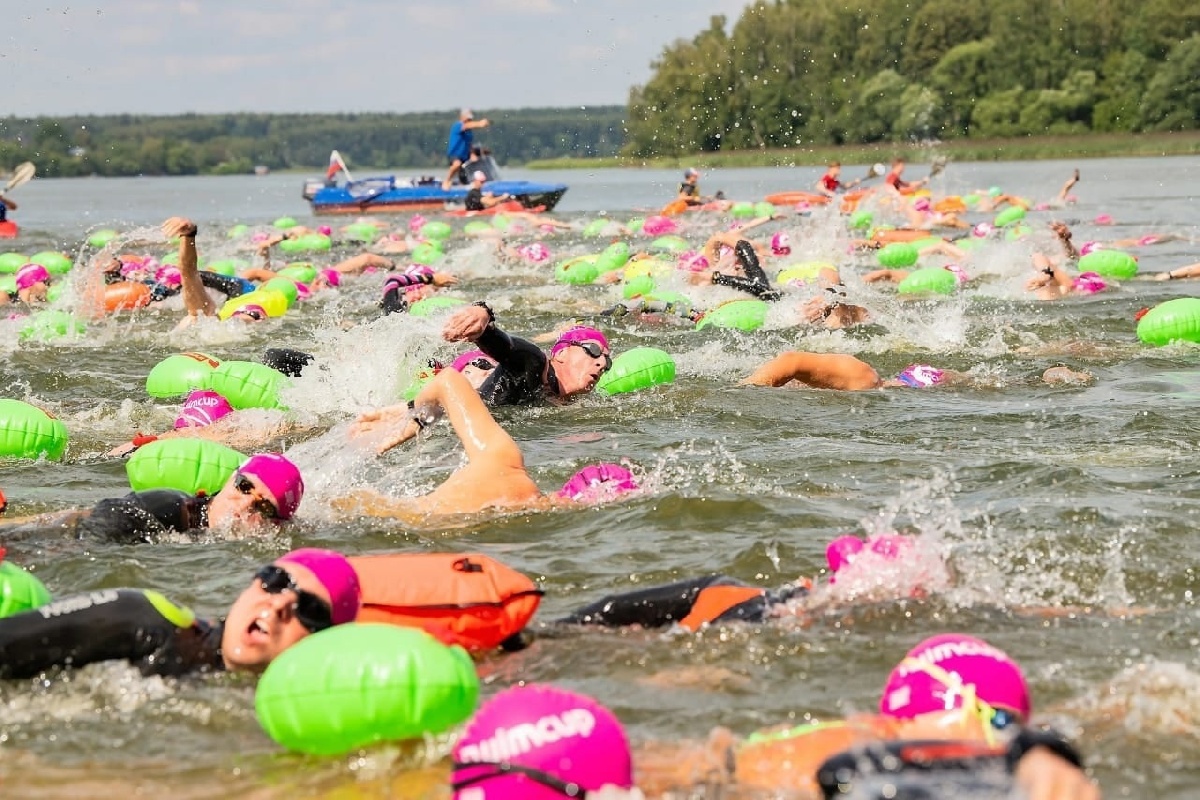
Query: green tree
(1172, 100)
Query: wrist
(491, 314)
(189, 232)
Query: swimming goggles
(261, 504)
(500, 768)
(252, 313)
(311, 611)
(595, 351)
(990, 717)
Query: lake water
(1033, 496)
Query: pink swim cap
(1104, 219)
(844, 549)
(280, 477)
(302, 291)
(781, 244)
(535, 252)
(692, 261)
(168, 276)
(460, 363)
(334, 572)
(960, 274)
(1089, 283)
(259, 237)
(415, 223)
(202, 407)
(580, 333)
(1148, 239)
(982, 230)
(658, 225)
(419, 269)
(29, 274)
(331, 276)
(922, 204)
(564, 735)
(598, 482)
(921, 376)
(934, 676)
(325, 230)
(1089, 247)
(130, 268)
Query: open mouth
(257, 631)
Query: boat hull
(398, 200)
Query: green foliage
(799, 73)
(192, 144)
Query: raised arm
(195, 299)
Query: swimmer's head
(267, 486)
(692, 261)
(169, 275)
(336, 574)
(476, 358)
(579, 357)
(1089, 247)
(598, 482)
(302, 291)
(1089, 283)
(331, 276)
(781, 244)
(589, 748)
(30, 275)
(842, 551)
(251, 312)
(325, 230)
(947, 672)
(960, 274)
(202, 407)
(982, 230)
(303, 592)
(921, 376)
(416, 223)
(922, 204)
(535, 252)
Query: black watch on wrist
(491, 314)
(1029, 738)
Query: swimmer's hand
(466, 324)
(385, 427)
(444, 279)
(1045, 776)
(175, 226)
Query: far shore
(1032, 148)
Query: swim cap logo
(508, 743)
(941, 652)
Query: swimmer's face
(36, 293)
(242, 502)
(577, 369)
(262, 624)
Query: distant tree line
(191, 144)
(797, 72)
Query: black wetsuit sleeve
(655, 607)
(520, 367)
(103, 626)
(225, 284)
(139, 516)
(755, 282)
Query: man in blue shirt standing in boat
(461, 137)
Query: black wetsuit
(141, 627)
(474, 199)
(755, 282)
(229, 285)
(690, 603)
(394, 301)
(139, 516)
(520, 364)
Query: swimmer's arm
(666, 766)
(55, 519)
(363, 261)
(889, 275)
(1188, 271)
(195, 299)
(485, 442)
(259, 274)
(819, 370)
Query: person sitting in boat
(477, 199)
(894, 180)
(458, 151)
(689, 190)
(5, 205)
(829, 184)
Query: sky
(206, 56)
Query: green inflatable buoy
(247, 384)
(189, 465)
(1174, 320)
(19, 590)
(743, 315)
(356, 684)
(27, 431)
(639, 368)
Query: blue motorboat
(389, 194)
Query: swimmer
(898, 275)
(33, 282)
(950, 688)
(1180, 273)
(829, 310)
(264, 490)
(302, 592)
(843, 372)
(1052, 283)
(401, 289)
(494, 477)
(744, 273)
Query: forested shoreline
(194, 144)
(812, 72)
